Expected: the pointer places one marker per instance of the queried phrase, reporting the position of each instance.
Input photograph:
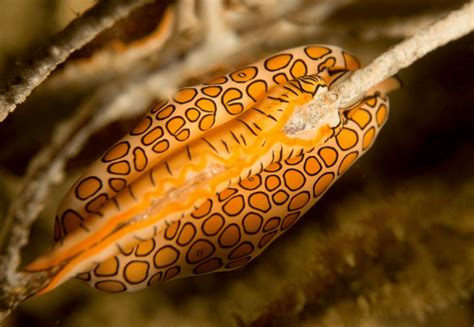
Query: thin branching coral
(391, 243)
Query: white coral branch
(457, 24)
(78, 33)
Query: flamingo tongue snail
(209, 179)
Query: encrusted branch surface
(46, 168)
(78, 33)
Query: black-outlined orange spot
(199, 251)
(171, 273)
(97, 202)
(265, 240)
(108, 267)
(271, 224)
(351, 62)
(186, 235)
(161, 146)
(316, 52)
(368, 138)
(119, 168)
(185, 95)
(172, 230)
(165, 112)
(280, 197)
(322, 183)
(158, 106)
(128, 248)
(57, 234)
(273, 167)
(299, 201)
(174, 124)
(152, 135)
(118, 151)
(237, 263)
(294, 160)
(206, 105)
(139, 159)
(278, 61)
(257, 89)
(70, 221)
(229, 100)
(272, 182)
(381, 114)
(347, 162)
(244, 248)
(371, 102)
(289, 220)
(208, 266)
(84, 276)
(280, 79)
(212, 91)
(244, 75)
(111, 286)
(328, 63)
(117, 184)
(192, 114)
(251, 183)
(219, 80)
(142, 127)
(165, 256)
(156, 278)
(294, 179)
(328, 155)
(136, 272)
(145, 248)
(230, 236)
(252, 222)
(88, 187)
(213, 224)
(361, 117)
(260, 201)
(183, 135)
(234, 205)
(203, 209)
(298, 69)
(312, 166)
(207, 122)
(346, 139)
(227, 193)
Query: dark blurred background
(391, 244)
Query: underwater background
(390, 244)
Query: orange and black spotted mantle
(265, 180)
